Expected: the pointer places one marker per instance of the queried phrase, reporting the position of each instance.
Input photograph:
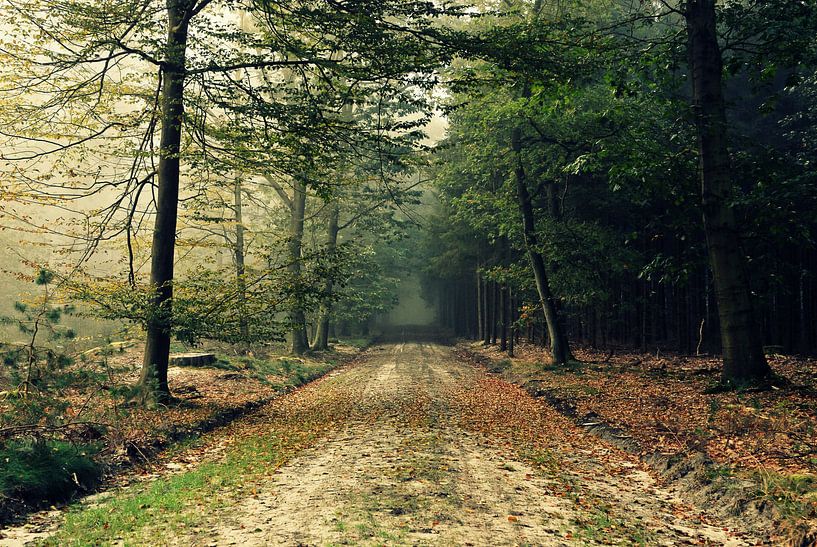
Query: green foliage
(46, 470)
(366, 288)
(608, 150)
(34, 372)
(279, 371)
(792, 494)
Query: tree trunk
(480, 310)
(153, 379)
(298, 343)
(559, 346)
(494, 310)
(321, 341)
(743, 359)
(486, 307)
(503, 317)
(238, 252)
(511, 319)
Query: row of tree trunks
(457, 307)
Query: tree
(153, 379)
(378, 40)
(743, 358)
(559, 346)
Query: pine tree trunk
(503, 318)
(494, 310)
(511, 319)
(559, 345)
(321, 341)
(486, 311)
(480, 311)
(298, 343)
(743, 359)
(153, 385)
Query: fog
(411, 309)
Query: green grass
(574, 367)
(187, 498)
(358, 343)
(500, 366)
(793, 495)
(45, 470)
(180, 500)
(279, 372)
(601, 526)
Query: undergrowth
(181, 499)
(46, 470)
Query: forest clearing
(458, 272)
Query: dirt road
(435, 452)
(409, 446)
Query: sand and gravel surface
(420, 448)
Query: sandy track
(412, 465)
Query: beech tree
(743, 358)
(90, 48)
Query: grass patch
(794, 496)
(358, 343)
(574, 367)
(716, 473)
(599, 526)
(46, 470)
(498, 367)
(179, 500)
(543, 459)
(278, 372)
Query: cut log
(192, 359)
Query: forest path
(433, 451)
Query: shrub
(46, 470)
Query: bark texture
(321, 341)
(153, 379)
(240, 268)
(743, 359)
(298, 342)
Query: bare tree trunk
(743, 359)
(559, 345)
(511, 319)
(238, 252)
(153, 379)
(480, 308)
(321, 341)
(298, 342)
(503, 317)
(486, 307)
(494, 310)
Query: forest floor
(123, 435)
(408, 445)
(753, 450)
